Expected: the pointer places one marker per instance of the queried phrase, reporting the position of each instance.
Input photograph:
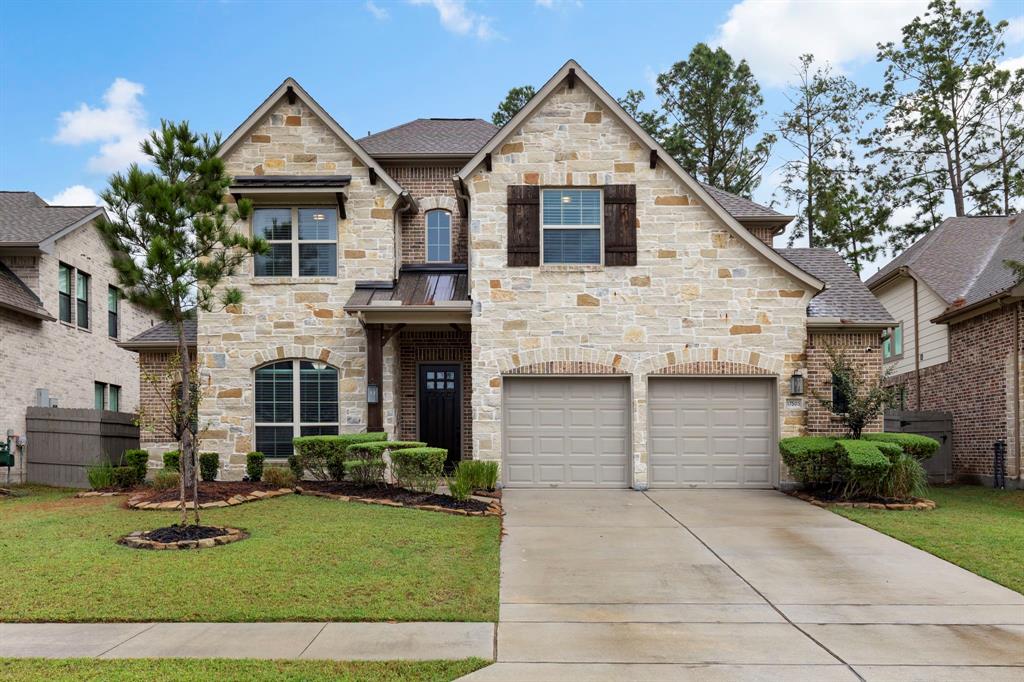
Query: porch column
(374, 376)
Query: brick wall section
(765, 234)
(713, 367)
(975, 386)
(560, 367)
(415, 347)
(424, 182)
(864, 348)
(156, 385)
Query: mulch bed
(182, 537)
(915, 504)
(211, 494)
(400, 497)
(178, 532)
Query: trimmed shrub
(123, 477)
(139, 460)
(336, 465)
(209, 464)
(296, 467)
(418, 469)
(314, 453)
(918, 447)
(254, 465)
(172, 460)
(282, 477)
(364, 462)
(477, 474)
(165, 479)
(100, 475)
(378, 447)
(811, 460)
(365, 471)
(866, 466)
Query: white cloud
(456, 17)
(772, 35)
(1015, 31)
(1012, 64)
(75, 195)
(378, 12)
(558, 4)
(118, 126)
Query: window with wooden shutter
(620, 224)
(523, 225)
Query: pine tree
(515, 100)
(174, 242)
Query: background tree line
(862, 168)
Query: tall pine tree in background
(515, 100)
(1004, 194)
(174, 242)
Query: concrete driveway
(734, 585)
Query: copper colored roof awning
(244, 182)
(424, 293)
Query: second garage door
(711, 432)
(566, 432)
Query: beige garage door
(714, 433)
(566, 432)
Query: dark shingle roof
(431, 137)
(162, 335)
(15, 295)
(962, 259)
(846, 297)
(27, 219)
(739, 207)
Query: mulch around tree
(178, 532)
(180, 536)
(211, 494)
(398, 496)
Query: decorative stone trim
(140, 501)
(714, 368)
(136, 541)
(712, 361)
(100, 493)
(493, 510)
(445, 203)
(919, 504)
(561, 367)
(540, 361)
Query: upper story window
(82, 299)
(571, 226)
(65, 274)
(439, 237)
(113, 309)
(286, 408)
(303, 241)
(892, 346)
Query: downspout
(405, 204)
(462, 196)
(1016, 387)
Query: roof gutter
(840, 323)
(44, 316)
(140, 346)
(992, 302)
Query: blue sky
(79, 82)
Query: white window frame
(296, 423)
(294, 240)
(599, 226)
(426, 236)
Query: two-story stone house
(61, 314)
(558, 295)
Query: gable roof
(846, 300)
(742, 208)
(431, 137)
(961, 259)
(162, 336)
(688, 181)
(15, 295)
(27, 220)
(290, 84)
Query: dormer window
(311, 250)
(439, 237)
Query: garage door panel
(710, 432)
(567, 431)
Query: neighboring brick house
(60, 313)
(639, 331)
(956, 346)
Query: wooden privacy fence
(63, 442)
(937, 425)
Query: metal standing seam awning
(276, 185)
(422, 294)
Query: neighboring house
(61, 315)
(957, 344)
(557, 295)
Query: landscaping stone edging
(136, 541)
(140, 503)
(100, 493)
(493, 510)
(919, 504)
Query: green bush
(139, 459)
(100, 475)
(124, 477)
(377, 447)
(866, 467)
(314, 453)
(811, 460)
(166, 479)
(364, 462)
(918, 447)
(296, 467)
(254, 465)
(279, 476)
(477, 474)
(365, 471)
(905, 479)
(336, 465)
(459, 487)
(172, 460)
(418, 469)
(209, 464)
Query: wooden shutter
(523, 225)
(620, 224)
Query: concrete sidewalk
(333, 641)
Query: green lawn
(201, 670)
(308, 559)
(980, 529)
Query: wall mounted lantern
(796, 383)
(372, 394)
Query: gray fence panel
(63, 442)
(937, 425)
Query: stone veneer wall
(415, 347)
(432, 187)
(976, 387)
(288, 317)
(698, 294)
(863, 348)
(60, 357)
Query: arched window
(439, 237)
(286, 408)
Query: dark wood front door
(441, 409)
